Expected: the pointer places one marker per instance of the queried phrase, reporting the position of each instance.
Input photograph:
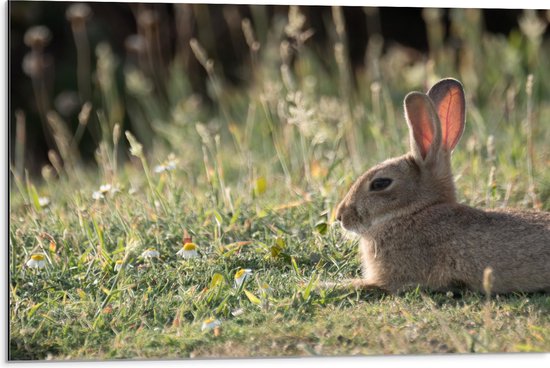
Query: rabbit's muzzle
(348, 216)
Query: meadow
(251, 181)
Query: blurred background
(76, 70)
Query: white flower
(118, 265)
(241, 275)
(105, 188)
(97, 195)
(188, 251)
(150, 253)
(168, 165)
(43, 201)
(237, 312)
(171, 165)
(36, 261)
(265, 288)
(159, 169)
(210, 323)
(108, 189)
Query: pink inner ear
(425, 133)
(421, 124)
(448, 98)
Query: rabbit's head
(420, 178)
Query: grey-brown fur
(414, 233)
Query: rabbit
(415, 234)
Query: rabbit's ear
(448, 98)
(425, 132)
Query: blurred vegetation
(154, 38)
(251, 173)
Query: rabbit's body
(414, 233)
(412, 250)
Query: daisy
(170, 165)
(150, 253)
(43, 201)
(118, 264)
(97, 195)
(265, 287)
(167, 165)
(160, 169)
(188, 251)
(210, 323)
(265, 290)
(164, 167)
(36, 261)
(241, 275)
(237, 312)
(105, 188)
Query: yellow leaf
(217, 279)
(253, 298)
(81, 294)
(33, 310)
(261, 185)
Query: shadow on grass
(540, 301)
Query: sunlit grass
(252, 184)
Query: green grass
(257, 178)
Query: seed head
(78, 13)
(37, 37)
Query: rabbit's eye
(380, 183)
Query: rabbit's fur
(414, 233)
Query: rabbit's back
(451, 244)
(515, 244)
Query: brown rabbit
(414, 233)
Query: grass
(253, 180)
